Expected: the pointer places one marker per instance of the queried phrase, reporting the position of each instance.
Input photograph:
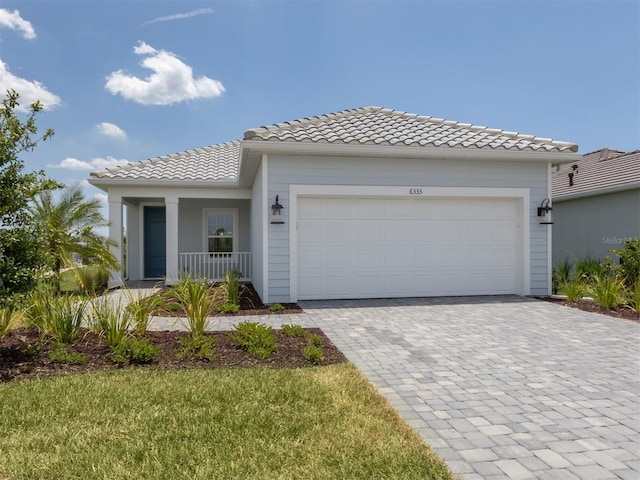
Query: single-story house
(362, 203)
(596, 204)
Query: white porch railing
(213, 266)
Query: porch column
(171, 205)
(115, 234)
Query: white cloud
(101, 197)
(29, 91)
(71, 163)
(14, 21)
(180, 16)
(110, 130)
(171, 82)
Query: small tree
(20, 253)
(67, 226)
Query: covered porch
(161, 236)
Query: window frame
(205, 230)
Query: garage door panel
(376, 247)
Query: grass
(317, 423)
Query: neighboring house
(596, 205)
(368, 203)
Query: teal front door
(155, 242)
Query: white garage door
(406, 247)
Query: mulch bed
(620, 312)
(24, 354)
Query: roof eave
(105, 183)
(596, 191)
(405, 151)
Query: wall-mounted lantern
(276, 212)
(544, 211)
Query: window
(220, 231)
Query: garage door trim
(413, 191)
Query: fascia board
(120, 182)
(555, 158)
(596, 192)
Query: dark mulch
(24, 354)
(250, 304)
(620, 312)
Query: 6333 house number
(415, 191)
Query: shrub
(561, 274)
(134, 350)
(255, 338)
(573, 289)
(228, 308)
(39, 310)
(198, 347)
(196, 300)
(6, 319)
(632, 297)
(62, 355)
(141, 308)
(276, 307)
(64, 320)
(315, 340)
(293, 331)
(588, 268)
(607, 290)
(232, 282)
(313, 354)
(629, 261)
(91, 279)
(110, 320)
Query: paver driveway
(500, 387)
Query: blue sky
(129, 80)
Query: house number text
(415, 191)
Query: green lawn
(315, 423)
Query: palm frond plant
(198, 300)
(68, 226)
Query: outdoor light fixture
(544, 210)
(276, 212)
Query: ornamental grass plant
(199, 301)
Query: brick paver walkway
(500, 387)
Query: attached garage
(411, 246)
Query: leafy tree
(67, 226)
(20, 255)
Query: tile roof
(380, 126)
(361, 126)
(595, 171)
(215, 163)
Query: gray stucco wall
(320, 170)
(591, 226)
